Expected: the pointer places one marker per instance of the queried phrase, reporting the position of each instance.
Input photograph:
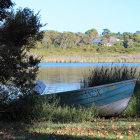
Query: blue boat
(110, 99)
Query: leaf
(121, 137)
(113, 125)
(101, 134)
(129, 137)
(47, 128)
(2, 132)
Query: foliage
(4, 5)
(92, 34)
(44, 108)
(19, 32)
(90, 39)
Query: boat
(109, 99)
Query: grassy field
(100, 128)
(88, 55)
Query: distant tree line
(91, 38)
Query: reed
(90, 55)
(110, 74)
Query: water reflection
(63, 78)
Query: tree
(92, 34)
(19, 32)
(4, 5)
(137, 37)
(119, 36)
(126, 43)
(106, 33)
(127, 39)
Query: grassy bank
(103, 54)
(100, 128)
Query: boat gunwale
(96, 87)
(92, 97)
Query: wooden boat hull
(110, 99)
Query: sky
(82, 15)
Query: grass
(94, 54)
(45, 108)
(133, 108)
(100, 128)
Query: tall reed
(109, 74)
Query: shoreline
(90, 60)
(61, 61)
(65, 56)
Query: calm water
(67, 76)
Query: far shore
(80, 56)
(99, 59)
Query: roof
(96, 41)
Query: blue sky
(82, 15)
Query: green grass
(94, 54)
(45, 108)
(100, 128)
(133, 108)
